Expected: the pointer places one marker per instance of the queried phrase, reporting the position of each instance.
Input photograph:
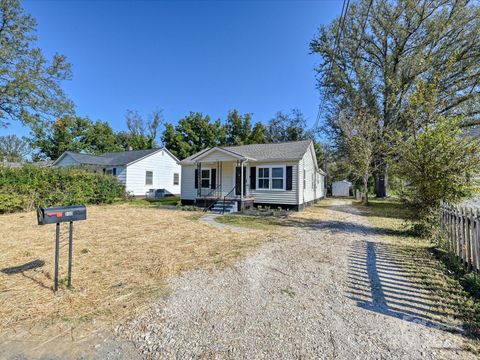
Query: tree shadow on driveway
(385, 279)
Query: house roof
(112, 158)
(293, 150)
(475, 132)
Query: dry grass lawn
(122, 256)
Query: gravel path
(335, 292)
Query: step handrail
(225, 198)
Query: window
(149, 178)
(111, 171)
(176, 178)
(304, 179)
(205, 178)
(263, 178)
(277, 178)
(271, 178)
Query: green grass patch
(440, 272)
(168, 200)
(252, 222)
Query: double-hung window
(277, 178)
(205, 178)
(264, 178)
(149, 178)
(176, 178)
(271, 178)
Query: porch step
(224, 207)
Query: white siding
(121, 172)
(188, 191)
(67, 160)
(313, 186)
(276, 196)
(163, 167)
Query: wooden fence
(461, 229)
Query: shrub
(24, 188)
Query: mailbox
(54, 215)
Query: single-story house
(140, 170)
(277, 175)
(341, 188)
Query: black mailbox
(54, 215)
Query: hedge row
(25, 188)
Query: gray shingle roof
(112, 158)
(475, 132)
(293, 150)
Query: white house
(140, 170)
(278, 175)
(341, 188)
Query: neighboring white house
(139, 170)
(341, 188)
(278, 175)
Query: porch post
(198, 180)
(241, 183)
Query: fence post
(476, 237)
(467, 221)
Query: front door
(238, 180)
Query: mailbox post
(57, 215)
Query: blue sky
(179, 56)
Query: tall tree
(403, 42)
(433, 157)
(359, 132)
(13, 148)
(258, 134)
(287, 127)
(238, 128)
(30, 89)
(99, 137)
(65, 134)
(193, 133)
(141, 134)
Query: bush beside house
(21, 189)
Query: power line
(362, 33)
(341, 23)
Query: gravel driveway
(335, 292)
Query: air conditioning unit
(155, 194)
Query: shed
(341, 188)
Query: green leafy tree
(13, 148)
(99, 137)
(433, 157)
(403, 42)
(141, 134)
(30, 89)
(238, 128)
(65, 134)
(360, 136)
(287, 127)
(258, 134)
(193, 133)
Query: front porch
(225, 178)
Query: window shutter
(289, 185)
(213, 178)
(196, 178)
(253, 177)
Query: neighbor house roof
(112, 158)
(475, 132)
(293, 150)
